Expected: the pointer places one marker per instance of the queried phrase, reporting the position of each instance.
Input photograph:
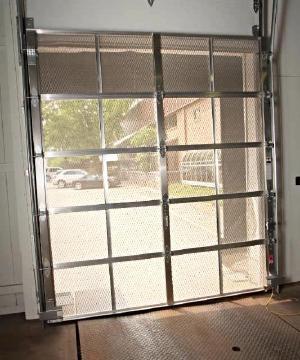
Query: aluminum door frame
(48, 308)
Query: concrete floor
(207, 331)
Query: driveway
(83, 236)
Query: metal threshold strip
(133, 310)
(117, 259)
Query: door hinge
(162, 149)
(31, 56)
(256, 5)
(165, 204)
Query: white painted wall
(289, 79)
(190, 16)
(16, 276)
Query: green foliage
(145, 137)
(74, 124)
(113, 111)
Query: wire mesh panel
(236, 65)
(129, 122)
(126, 63)
(83, 290)
(67, 64)
(185, 63)
(140, 283)
(136, 177)
(243, 268)
(104, 94)
(241, 219)
(193, 225)
(191, 173)
(195, 275)
(136, 230)
(70, 124)
(188, 121)
(238, 120)
(78, 236)
(241, 170)
(74, 181)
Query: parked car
(51, 172)
(94, 182)
(67, 177)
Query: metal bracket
(256, 5)
(29, 23)
(165, 203)
(162, 149)
(55, 314)
(168, 254)
(256, 30)
(31, 56)
(159, 96)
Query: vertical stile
(105, 174)
(163, 163)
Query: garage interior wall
(206, 16)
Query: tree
(147, 136)
(75, 125)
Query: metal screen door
(150, 168)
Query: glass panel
(242, 219)
(191, 173)
(83, 290)
(126, 63)
(136, 230)
(67, 64)
(134, 177)
(185, 63)
(243, 268)
(74, 181)
(140, 283)
(70, 124)
(236, 65)
(193, 225)
(195, 275)
(238, 120)
(78, 236)
(129, 122)
(188, 121)
(241, 170)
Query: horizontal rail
(131, 95)
(99, 207)
(45, 31)
(117, 259)
(146, 203)
(147, 149)
(96, 152)
(164, 305)
(240, 145)
(217, 197)
(236, 245)
(150, 95)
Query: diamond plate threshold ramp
(227, 330)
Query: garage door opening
(150, 169)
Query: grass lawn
(182, 190)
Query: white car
(66, 178)
(51, 172)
